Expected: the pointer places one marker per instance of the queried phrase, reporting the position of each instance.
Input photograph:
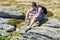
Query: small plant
(15, 34)
(13, 22)
(4, 38)
(22, 23)
(16, 22)
(49, 14)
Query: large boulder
(53, 22)
(47, 32)
(11, 13)
(20, 38)
(6, 30)
(40, 33)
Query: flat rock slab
(48, 32)
(41, 33)
(53, 22)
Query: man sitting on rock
(33, 15)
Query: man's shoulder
(39, 7)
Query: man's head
(34, 5)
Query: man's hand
(27, 21)
(34, 16)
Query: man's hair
(34, 4)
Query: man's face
(33, 7)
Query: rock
(4, 20)
(15, 38)
(20, 30)
(7, 27)
(23, 28)
(47, 32)
(21, 38)
(53, 22)
(41, 33)
(4, 33)
(11, 13)
(1, 28)
(6, 30)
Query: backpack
(44, 9)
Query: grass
(49, 14)
(16, 22)
(13, 22)
(9, 3)
(57, 17)
(10, 36)
(3, 0)
(5, 38)
(23, 8)
(20, 25)
(15, 34)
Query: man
(33, 15)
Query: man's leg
(32, 22)
(28, 20)
(28, 23)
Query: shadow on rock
(42, 22)
(49, 14)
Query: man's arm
(27, 15)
